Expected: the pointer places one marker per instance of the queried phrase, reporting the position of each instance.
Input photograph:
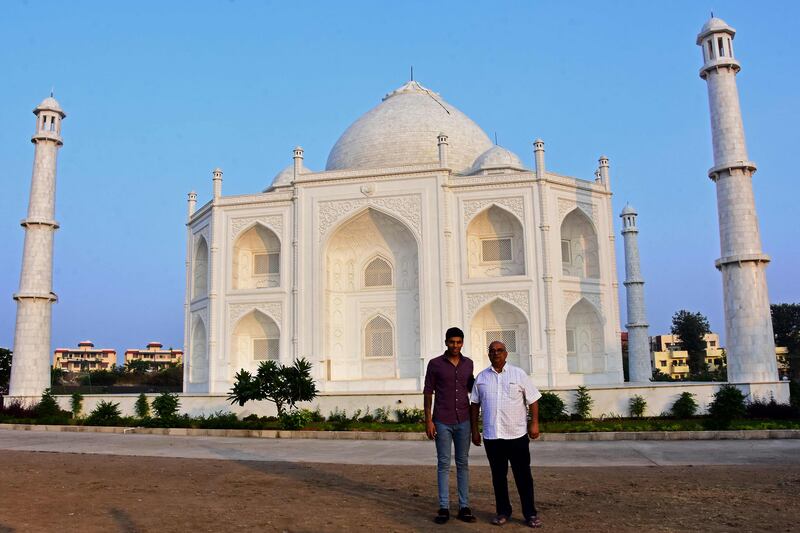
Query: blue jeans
(459, 435)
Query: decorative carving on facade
(203, 314)
(572, 297)
(566, 205)
(408, 208)
(388, 310)
(477, 300)
(514, 205)
(274, 310)
(273, 222)
(204, 232)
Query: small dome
(285, 177)
(713, 25)
(49, 104)
(496, 158)
(403, 130)
(628, 210)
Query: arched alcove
(200, 269)
(378, 338)
(579, 247)
(495, 244)
(255, 338)
(371, 273)
(257, 259)
(584, 339)
(198, 363)
(501, 321)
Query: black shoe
(465, 515)
(442, 516)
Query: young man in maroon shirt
(448, 382)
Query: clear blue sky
(160, 93)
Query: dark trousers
(500, 453)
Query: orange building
(155, 354)
(85, 357)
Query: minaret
(30, 368)
(638, 342)
(749, 341)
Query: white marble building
(417, 223)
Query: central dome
(402, 130)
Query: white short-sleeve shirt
(504, 398)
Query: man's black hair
(453, 332)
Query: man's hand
(533, 431)
(430, 429)
(476, 438)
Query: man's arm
(430, 427)
(474, 409)
(533, 425)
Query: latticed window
(506, 336)
(266, 263)
(379, 338)
(496, 250)
(264, 349)
(571, 341)
(378, 274)
(566, 252)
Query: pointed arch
(579, 246)
(256, 337)
(371, 268)
(200, 269)
(584, 339)
(501, 320)
(495, 243)
(379, 338)
(256, 258)
(198, 361)
(378, 272)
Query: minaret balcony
(718, 63)
(47, 136)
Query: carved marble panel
(274, 310)
(477, 300)
(273, 222)
(514, 205)
(565, 205)
(572, 297)
(407, 208)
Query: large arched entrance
(372, 299)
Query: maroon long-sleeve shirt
(450, 385)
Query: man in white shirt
(506, 395)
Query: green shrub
(104, 414)
(76, 404)
(222, 420)
(48, 406)
(728, 404)
(381, 415)
(142, 406)
(166, 405)
(410, 415)
(685, 406)
(295, 418)
(583, 403)
(99, 378)
(771, 410)
(794, 394)
(637, 406)
(551, 407)
(340, 421)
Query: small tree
(5, 369)
(637, 406)
(142, 406)
(551, 407)
(57, 376)
(282, 385)
(685, 406)
(583, 403)
(786, 326)
(104, 414)
(137, 366)
(728, 404)
(76, 404)
(166, 405)
(692, 329)
(48, 405)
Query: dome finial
(412, 72)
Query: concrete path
(619, 453)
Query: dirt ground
(86, 493)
